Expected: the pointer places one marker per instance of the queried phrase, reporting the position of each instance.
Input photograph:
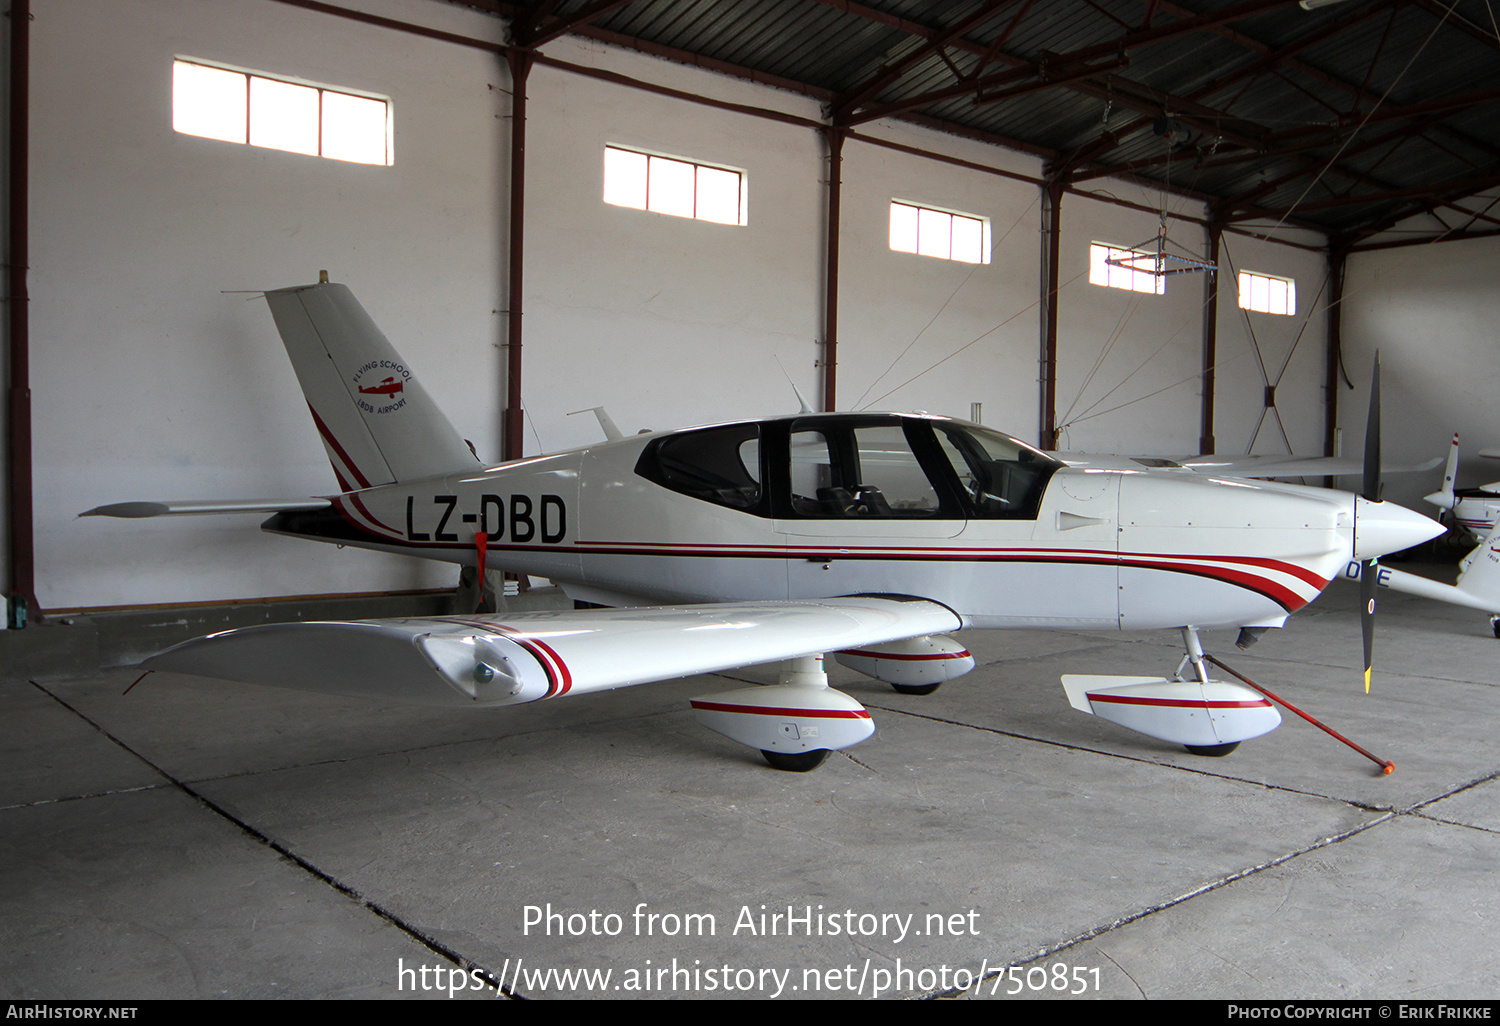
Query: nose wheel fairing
(1190, 713)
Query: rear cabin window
(718, 465)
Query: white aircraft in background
(871, 536)
(1478, 585)
(1474, 509)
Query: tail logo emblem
(390, 386)
(387, 381)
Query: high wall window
(939, 233)
(1267, 293)
(1102, 272)
(244, 107)
(669, 185)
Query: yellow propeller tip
(1367, 681)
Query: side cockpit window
(719, 465)
(863, 470)
(1001, 477)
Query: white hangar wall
(1256, 349)
(147, 381)
(919, 333)
(1433, 312)
(666, 321)
(1129, 363)
(680, 322)
(150, 383)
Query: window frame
(920, 208)
(1246, 302)
(742, 213)
(839, 432)
(652, 465)
(250, 75)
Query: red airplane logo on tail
(390, 386)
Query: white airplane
(1474, 509)
(871, 536)
(1478, 584)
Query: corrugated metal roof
(1343, 118)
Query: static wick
(137, 681)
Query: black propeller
(1371, 492)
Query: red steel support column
(520, 68)
(835, 134)
(1051, 233)
(22, 556)
(1338, 255)
(1206, 443)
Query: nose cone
(1381, 527)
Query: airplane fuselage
(819, 506)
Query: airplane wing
(1293, 466)
(1240, 466)
(508, 659)
(193, 507)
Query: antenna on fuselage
(611, 433)
(795, 390)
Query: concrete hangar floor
(202, 839)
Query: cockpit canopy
(864, 466)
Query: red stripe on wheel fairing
(901, 655)
(1179, 703)
(769, 710)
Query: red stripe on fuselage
(1239, 572)
(359, 505)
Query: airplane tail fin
(378, 424)
(1444, 497)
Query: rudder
(377, 422)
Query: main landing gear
(794, 723)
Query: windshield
(1002, 476)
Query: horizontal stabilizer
(496, 660)
(198, 507)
